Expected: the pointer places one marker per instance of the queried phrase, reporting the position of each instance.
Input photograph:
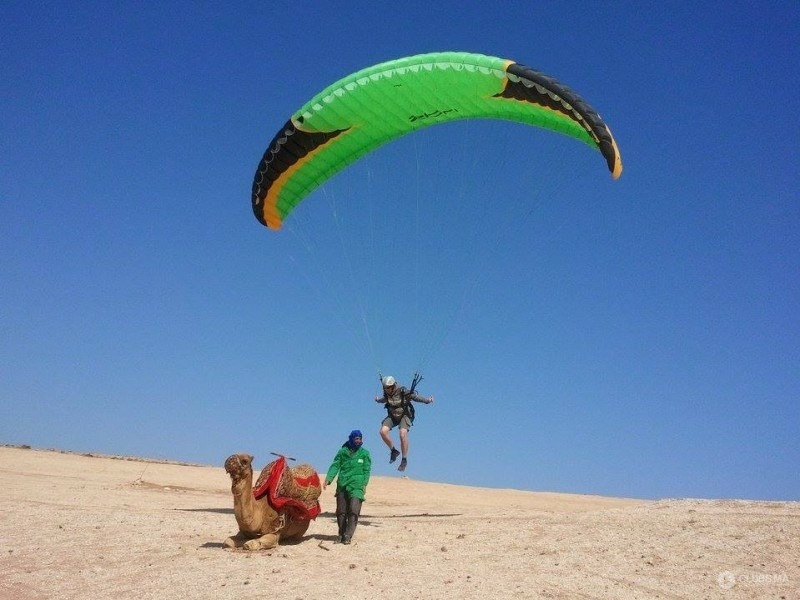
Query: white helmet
(388, 381)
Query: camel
(260, 526)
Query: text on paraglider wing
(432, 115)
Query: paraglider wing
(364, 110)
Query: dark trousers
(348, 509)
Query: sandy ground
(77, 526)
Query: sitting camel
(261, 525)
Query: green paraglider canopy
(364, 110)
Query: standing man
(352, 464)
(400, 414)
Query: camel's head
(239, 466)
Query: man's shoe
(402, 466)
(393, 455)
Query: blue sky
(632, 338)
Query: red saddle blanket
(293, 490)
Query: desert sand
(97, 527)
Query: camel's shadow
(293, 542)
(221, 511)
(321, 537)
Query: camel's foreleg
(265, 542)
(236, 541)
(249, 542)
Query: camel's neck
(244, 505)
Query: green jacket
(353, 469)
